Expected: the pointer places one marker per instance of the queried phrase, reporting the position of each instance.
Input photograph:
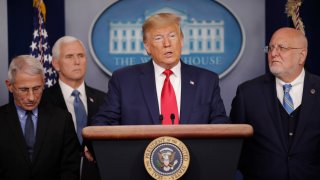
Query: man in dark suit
(69, 60)
(164, 90)
(283, 108)
(38, 141)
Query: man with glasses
(38, 141)
(284, 109)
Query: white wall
(81, 13)
(3, 52)
(251, 13)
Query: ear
(55, 64)
(303, 56)
(9, 86)
(147, 47)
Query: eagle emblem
(166, 159)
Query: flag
(40, 48)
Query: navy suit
(55, 155)
(94, 100)
(132, 97)
(267, 154)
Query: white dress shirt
(68, 98)
(295, 92)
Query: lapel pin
(191, 82)
(312, 91)
(91, 99)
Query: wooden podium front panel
(209, 158)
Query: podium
(214, 149)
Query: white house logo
(166, 158)
(213, 36)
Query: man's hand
(88, 155)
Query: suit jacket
(267, 154)
(56, 154)
(94, 99)
(132, 97)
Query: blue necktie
(287, 100)
(80, 112)
(29, 133)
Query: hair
(160, 20)
(26, 64)
(65, 39)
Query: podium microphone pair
(172, 117)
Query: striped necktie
(287, 100)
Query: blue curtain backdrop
(20, 24)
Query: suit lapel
(43, 120)
(148, 84)
(13, 121)
(58, 96)
(271, 99)
(307, 106)
(188, 88)
(91, 103)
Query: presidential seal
(166, 158)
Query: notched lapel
(271, 99)
(308, 106)
(15, 126)
(188, 90)
(148, 85)
(43, 121)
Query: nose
(166, 42)
(274, 51)
(30, 95)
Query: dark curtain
(20, 24)
(276, 18)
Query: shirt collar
(159, 70)
(299, 80)
(22, 112)
(67, 90)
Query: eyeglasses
(278, 48)
(25, 90)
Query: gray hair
(65, 39)
(26, 64)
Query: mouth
(168, 54)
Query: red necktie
(169, 101)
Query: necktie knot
(167, 72)
(75, 93)
(287, 88)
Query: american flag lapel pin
(91, 99)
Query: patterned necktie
(29, 133)
(287, 100)
(168, 101)
(80, 112)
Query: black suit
(94, 100)
(56, 154)
(268, 155)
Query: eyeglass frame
(26, 90)
(279, 48)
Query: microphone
(172, 118)
(161, 118)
